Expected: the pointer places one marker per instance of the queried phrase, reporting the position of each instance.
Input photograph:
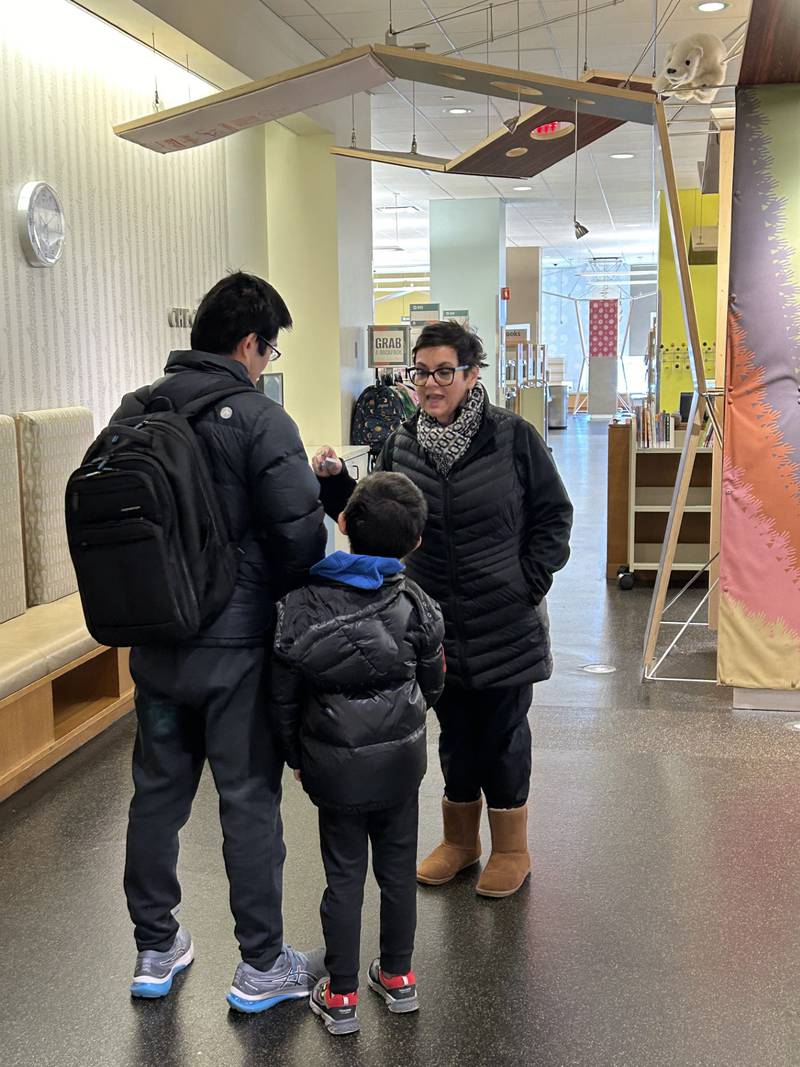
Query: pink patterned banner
(603, 328)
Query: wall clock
(42, 227)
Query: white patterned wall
(144, 232)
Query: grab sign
(389, 346)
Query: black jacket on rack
(266, 488)
(353, 675)
(498, 530)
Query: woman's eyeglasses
(275, 353)
(442, 375)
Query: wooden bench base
(46, 721)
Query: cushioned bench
(58, 687)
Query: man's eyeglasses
(442, 375)
(275, 353)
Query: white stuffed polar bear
(694, 67)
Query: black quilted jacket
(353, 675)
(267, 490)
(498, 530)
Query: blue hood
(363, 572)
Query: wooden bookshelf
(640, 488)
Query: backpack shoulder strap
(207, 400)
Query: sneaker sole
(152, 989)
(443, 881)
(350, 1026)
(253, 1007)
(396, 1007)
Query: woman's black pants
(485, 744)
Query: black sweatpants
(485, 744)
(193, 705)
(344, 840)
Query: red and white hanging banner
(604, 328)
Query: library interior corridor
(657, 927)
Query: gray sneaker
(155, 970)
(292, 977)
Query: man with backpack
(143, 514)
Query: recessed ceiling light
(458, 110)
(522, 188)
(709, 7)
(448, 98)
(623, 155)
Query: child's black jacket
(353, 674)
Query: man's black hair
(238, 305)
(385, 516)
(468, 346)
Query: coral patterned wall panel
(759, 636)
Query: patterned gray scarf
(446, 445)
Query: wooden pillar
(726, 142)
(695, 427)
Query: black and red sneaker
(337, 1010)
(399, 991)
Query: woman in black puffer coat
(499, 521)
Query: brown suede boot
(510, 862)
(461, 846)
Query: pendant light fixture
(580, 229)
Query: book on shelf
(653, 429)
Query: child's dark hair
(238, 305)
(385, 516)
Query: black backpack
(147, 537)
(377, 414)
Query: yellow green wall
(304, 267)
(389, 312)
(676, 375)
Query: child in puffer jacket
(358, 660)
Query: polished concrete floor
(660, 926)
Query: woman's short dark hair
(385, 516)
(238, 305)
(468, 346)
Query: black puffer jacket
(266, 487)
(353, 675)
(498, 529)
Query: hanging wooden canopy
(521, 152)
(361, 69)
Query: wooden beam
(679, 249)
(361, 69)
(415, 160)
(595, 98)
(726, 145)
(695, 428)
(254, 103)
(674, 522)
